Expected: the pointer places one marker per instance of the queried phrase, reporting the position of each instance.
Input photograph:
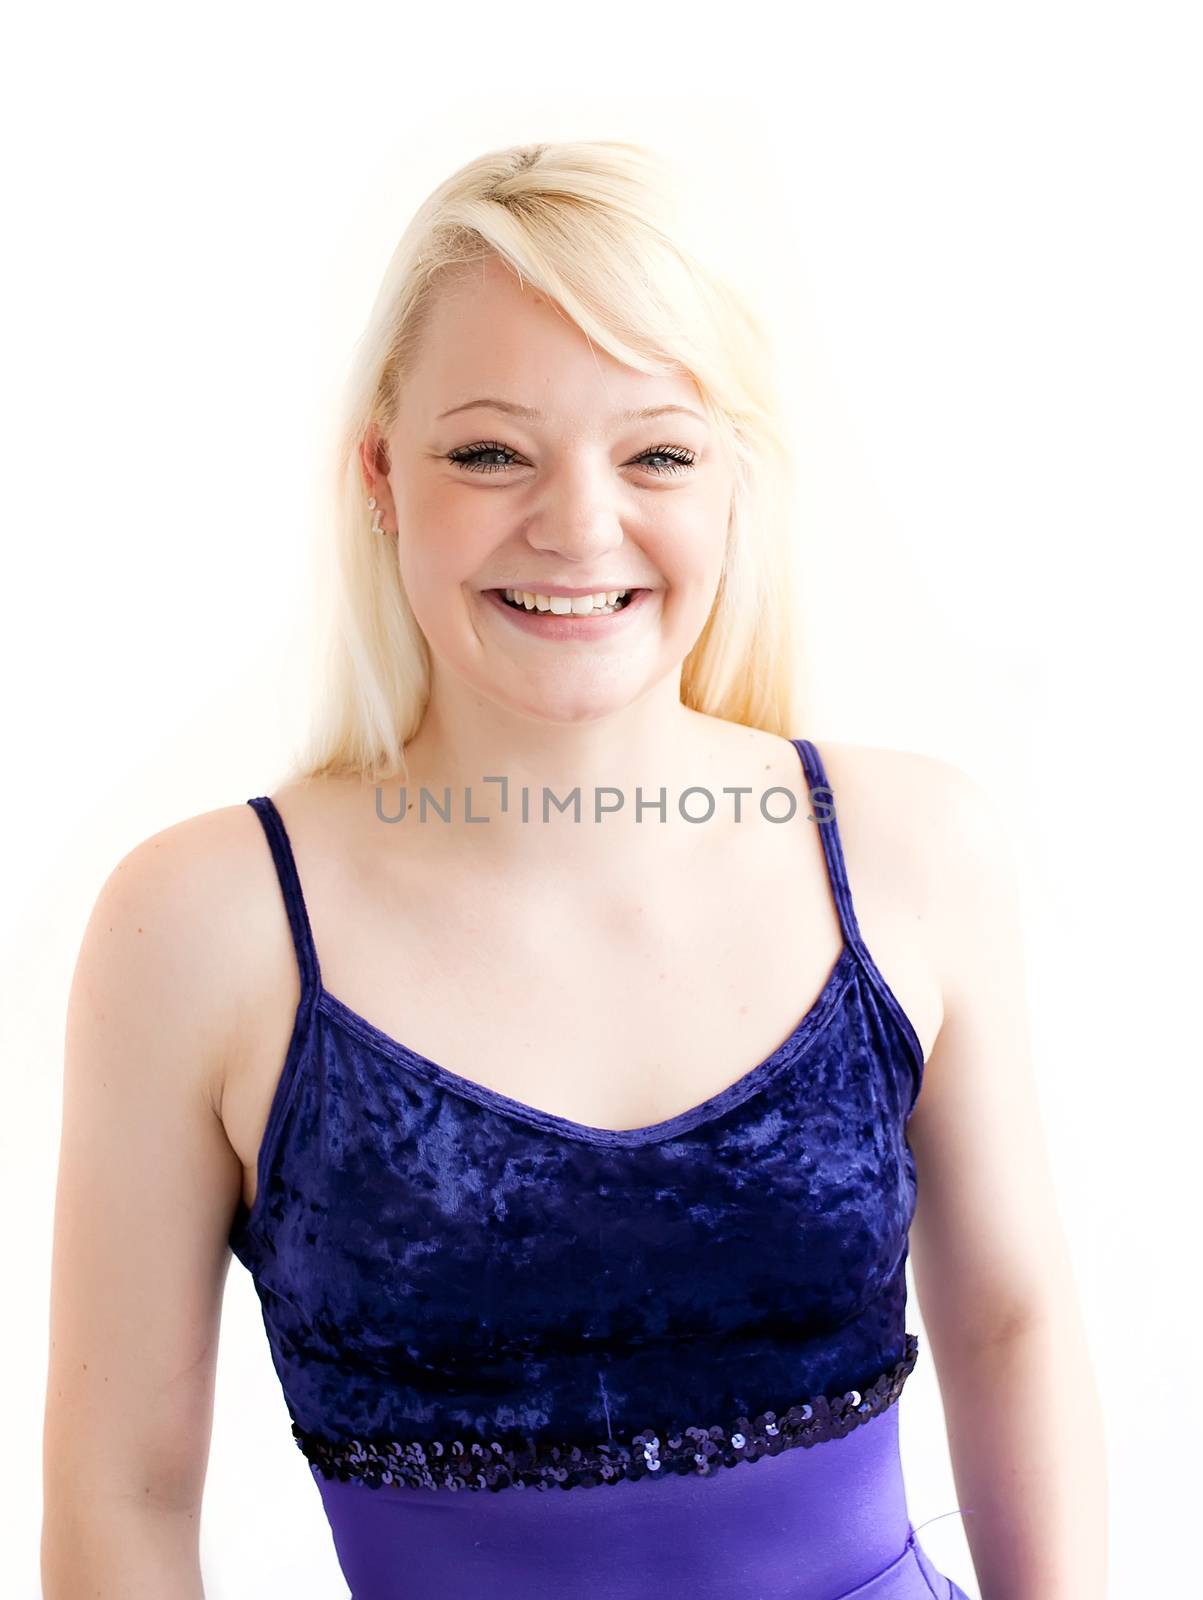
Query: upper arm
(147, 1185)
(986, 1245)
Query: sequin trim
(479, 1463)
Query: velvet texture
(436, 1260)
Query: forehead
(489, 334)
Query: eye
(679, 459)
(471, 457)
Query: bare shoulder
(190, 916)
(923, 792)
(932, 818)
(931, 866)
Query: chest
(607, 996)
(615, 998)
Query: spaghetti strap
(829, 834)
(833, 850)
(290, 886)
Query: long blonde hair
(590, 224)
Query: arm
(991, 1267)
(147, 1187)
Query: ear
(374, 465)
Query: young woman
(549, 1045)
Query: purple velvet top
(461, 1290)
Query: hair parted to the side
(595, 226)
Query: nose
(577, 518)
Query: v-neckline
(807, 1030)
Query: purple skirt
(825, 1522)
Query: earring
(372, 507)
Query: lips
(561, 625)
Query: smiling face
(562, 496)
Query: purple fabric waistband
(829, 1522)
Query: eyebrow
(529, 414)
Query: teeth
(562, 605)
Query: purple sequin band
(480, 1463)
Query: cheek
(689, 558)
(443, 556)
(427, 569)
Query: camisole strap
(824, 812)
(290, 886)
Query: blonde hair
(590, 224)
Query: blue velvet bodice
(439, 1264)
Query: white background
(981, 256)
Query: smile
(559, 617)
(602, 604)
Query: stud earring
(373, 508)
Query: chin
(564, 707)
